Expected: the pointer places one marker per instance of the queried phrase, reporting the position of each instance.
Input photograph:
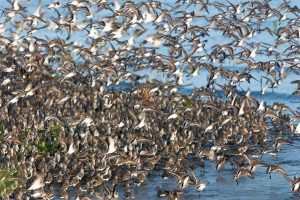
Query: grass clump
(46, 141)
(187, 102)
(10, 179)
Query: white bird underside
(37, 183)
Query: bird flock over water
(70, 131)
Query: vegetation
(10, 179)
(46, 141)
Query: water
(223, 187)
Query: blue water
(221, 185)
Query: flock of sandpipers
(69, 132)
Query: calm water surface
(223, 187)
